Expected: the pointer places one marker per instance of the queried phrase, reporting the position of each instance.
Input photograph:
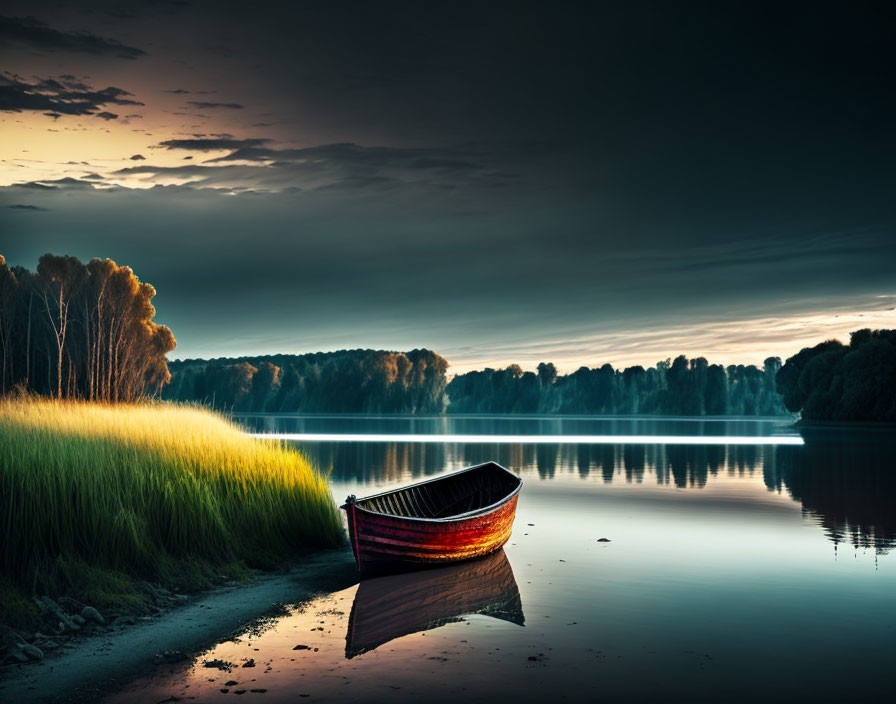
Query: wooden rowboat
(448, 519)
(390, 607)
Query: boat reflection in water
(396, 605)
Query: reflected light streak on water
(539, 439)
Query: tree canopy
(836, 382)
(74, 330)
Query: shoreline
(102, 663)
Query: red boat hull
(384, 542)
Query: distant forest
(370, 381)
(683, 387)
(830, 381)
(74, 330)
(349, 381)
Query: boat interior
(448, 496)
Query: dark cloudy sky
(567, 182)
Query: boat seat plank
(441, 499)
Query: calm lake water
(734, 572)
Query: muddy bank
(100, 663)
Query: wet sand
(103, 663)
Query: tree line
(680, 387)
(74, 330)
(347, 381)
(836, 382)
(372, 381)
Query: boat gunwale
(448, 519)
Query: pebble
(32, 651)
(88, 613)
(217, 664)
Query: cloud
(138, 157)
(107, 115)
(202, 105)
(54, 184)
(27, 31)
(22, 206)
(60, 96)
(207, 145)
(251, 166)
(178, 91)
(349, 154)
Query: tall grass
(92, 492)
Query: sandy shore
(99, 664)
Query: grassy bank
(94, 498)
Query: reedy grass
(93, 496)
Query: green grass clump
(93, 496)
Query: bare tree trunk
(60, 342)
(88, 391)
(28, 342)
(107, 391)
(59, 332)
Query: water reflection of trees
(684, 466)
(848, 487)
(377, 462)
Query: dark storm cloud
(202, 144)
(60, 97)
(66, 183)
(22, 206)
(547, 171)
(32, 33)
(326, 167)
(357, 155)
(202, 105)
(503, 284)
(192, 170)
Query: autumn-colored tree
(85, 331)
(353, 381)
